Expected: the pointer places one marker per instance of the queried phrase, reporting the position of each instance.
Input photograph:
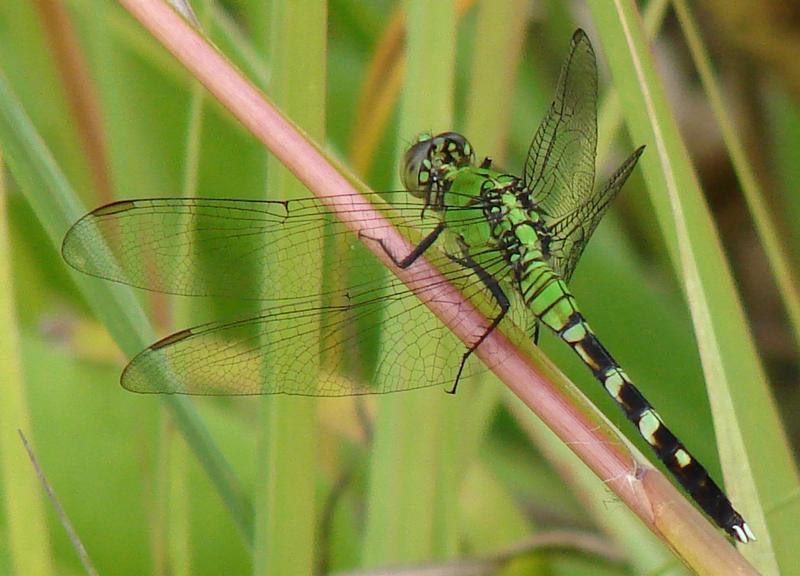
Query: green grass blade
(609, 109)
(288, 435)
(499, 39)
(63, 518)
(411, 513)
(27, 539)
(745, 418)
(172, 492)
(784, 538)
(782, 269)
(57, 207)
(784, 123)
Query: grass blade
(782, 269)
(60, 512)
(288, 435)
(411, 515)
(744, 416)
(57, 207)
(27, 538)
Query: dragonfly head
(427, 164)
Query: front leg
(418, 250)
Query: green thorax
(488, 208)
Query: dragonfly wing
(572, 231)
(213, 247)
(278, 350)
(361, 323)
(559, 170)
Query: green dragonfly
(510, 241)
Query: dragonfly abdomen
(676, 457)
(546, 295)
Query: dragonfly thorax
(516, 227)
(428, 164)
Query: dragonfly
(511, 241)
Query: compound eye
(454, 149)
(416, 171)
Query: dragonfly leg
(416, 252)
(502, 300)
(487, 162)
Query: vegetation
(690, 281)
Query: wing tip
(68, 251)
(581, 37)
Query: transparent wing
(275, 351)
(210, 247)
(559, 169)
(572, 231)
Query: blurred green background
(138, 498)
